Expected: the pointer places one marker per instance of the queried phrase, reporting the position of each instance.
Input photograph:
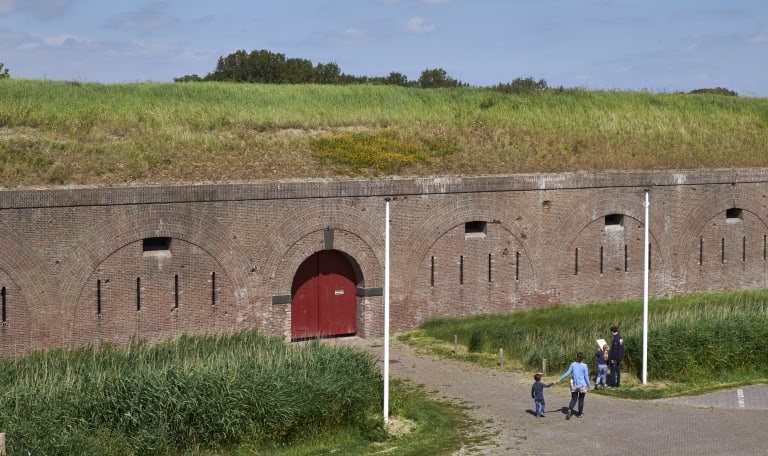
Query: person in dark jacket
(615, 355)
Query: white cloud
(65, 40)
(150, 17)
(7, 6)
(38, 8)
(417, 24)
(760, 38)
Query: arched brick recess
(347, 221)
(713, 276)
(455, 210)
(569, 231)
(708, 207)
(131, 224)
(29, 276)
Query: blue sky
(656, 45)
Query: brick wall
(87, 266)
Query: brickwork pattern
(76, 271)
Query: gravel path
(724, 423)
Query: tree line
(266, 67)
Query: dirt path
(731, 422)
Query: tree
(436, 78)
(188, 78)
(4, 74)
(326, 73)
(396, 78)
(716, 91)
(298, 71)
(523, 85)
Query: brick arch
(589, 211)
(138, 222)
(32, 277)
(448, 214)
(699, 215)
(282, 257)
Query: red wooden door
(323, 301)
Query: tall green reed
(193, 392)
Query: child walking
(537, 393)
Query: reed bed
(191, 393)
(55, 133)
(706, 338)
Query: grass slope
(68, 133)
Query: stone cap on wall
(109, 196)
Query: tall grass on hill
(706, 338)
(68, 133)
(185, 394)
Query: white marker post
(386, 311)
(645, 293)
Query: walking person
(579, 373)
(537, 393)
(601, 360)
(615, 356)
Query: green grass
(56, 133)
(230, 394)
(696, 343)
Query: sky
(653, 45)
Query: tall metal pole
(645, 293)
(386, 312)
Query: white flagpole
(645, 293)
(386, 312)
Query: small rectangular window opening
(461, 270)
(157, 247)
(722, 250)
(2, 295)
(490, 266)
(744, 249)
(176, 291)
(614, 222)
(576, 265)
(98, 297)
(733, 215)
(475, 229)
(626, 258)
(213, 289)
(138, 294)
(601, 259)
(517, 266)
(432, 274)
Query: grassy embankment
(239, 394)
(68, 133)
(696, 343)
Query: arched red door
(323, 301)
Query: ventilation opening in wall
(157, 247)
(475, 229)
(733, 215)
(614, 222)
